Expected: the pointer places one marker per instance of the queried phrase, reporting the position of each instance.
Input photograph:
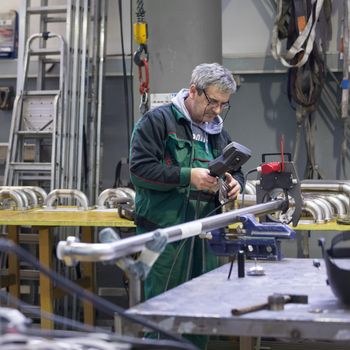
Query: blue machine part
(266, 229)
(259, 240)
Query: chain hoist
(141, 56)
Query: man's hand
(234, 186)
(201, 179)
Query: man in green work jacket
(170, 151)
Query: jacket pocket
(179, 151)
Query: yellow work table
(328, 226)
(41, 220)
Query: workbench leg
(303, 249)
(46, 285)
(123, 326)
(13, 262)
(89, 272)
(134, 290)
(306, 244)
(246, 343)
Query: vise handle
(275, 302)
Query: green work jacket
(161, 157)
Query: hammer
(275, 302)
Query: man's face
(208, 103)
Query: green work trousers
(179, 262)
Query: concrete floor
(275, 344)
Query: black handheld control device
(234, 155)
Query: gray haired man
(171, 147)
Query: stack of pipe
(323, 200)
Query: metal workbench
(203, 305)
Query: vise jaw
(257, 240)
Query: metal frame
(80, 98)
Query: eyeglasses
(215, 104)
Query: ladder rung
(33, 133)
(35, 178)
(29, 274)
(51, 60)
(43, 52)
(37, 10)
(55, 20)
(37, 167)
(41, 92)
(29, 238)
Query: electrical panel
(157, 100)
(8, 34)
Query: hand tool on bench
(275, 302)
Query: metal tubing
(31, 196)
(102, 251)
(16, 196)
(326, 207)
(110, 194)
(336, 203)
(66, 193)
(326, 186)
(249, 199)
(101, 69)
(249, 188)
(83, 91)
(28, 196)
(315, 210)
(114, 195)
(344, 200)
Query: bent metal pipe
(72, 249)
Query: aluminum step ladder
(37, 119)
(76, 111)
(82, 24)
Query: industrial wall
(184, 33)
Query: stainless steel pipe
(71, 249)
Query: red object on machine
(271, 167)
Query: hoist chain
(140, 12)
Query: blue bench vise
(257, 240)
